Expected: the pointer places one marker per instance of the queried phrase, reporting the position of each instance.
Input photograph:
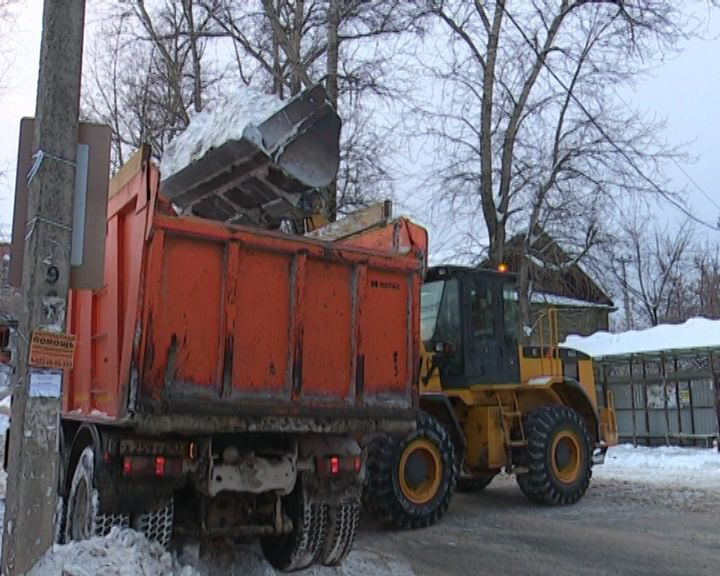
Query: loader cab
(469, 320)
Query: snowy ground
(680, 471)
(667, 466)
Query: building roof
(556, 273)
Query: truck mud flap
(263, 178)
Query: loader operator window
(483, 311)
(510, 316)
(440, 320)
(430, 297)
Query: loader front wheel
(411, 478)
(559, 456)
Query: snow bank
(694, 333)
(129, 553)
(121, 553)
(229, 120)
(248, 561)
(668, 466)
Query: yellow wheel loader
(487, 405)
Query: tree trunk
(296, 35)
(524, 311)
(331, 86)
(196, 65)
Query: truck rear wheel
(84, 519)
(342, 526)
(297, 549)
(411, 479)
(559, 456)
(157, 525)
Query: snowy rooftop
(554, 300)
(242, 110)
(696, 333)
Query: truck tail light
(160, 466)
(337, 465)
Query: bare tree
(707, 281)
(528, 120)
(658, 270)
(149, 71)
(291, 45)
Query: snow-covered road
(127, 553)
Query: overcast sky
(684, 90)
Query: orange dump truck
(222, 375)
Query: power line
(600, 129)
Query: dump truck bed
(202, 325)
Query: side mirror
(444, 349)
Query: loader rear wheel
(411, 479)
(559, 456)
(84, 519)
(297, 549)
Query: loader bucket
(261, 178)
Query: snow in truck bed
(230, 119)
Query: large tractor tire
(298, 549)
(84, 519)
(411, 479)
(559, 456)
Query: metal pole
(626, 297)
(33, 451)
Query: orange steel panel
(226, 313)
(185, 330)
(327, 339)
(76, 393)
(386, 334)
(400, 236)
(262, 308)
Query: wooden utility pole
(31, 497)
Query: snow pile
(248, 560)
(667, 466)
(231, 120)
(121, 553)
(128, 553)
(694, 333)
